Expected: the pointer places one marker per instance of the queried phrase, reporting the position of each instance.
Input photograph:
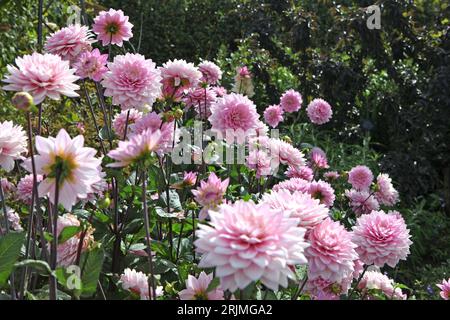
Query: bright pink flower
(132, 81)
(445, 289)
(190, 178)
(42, 75)
(319, 111)
(385, 191)
(210, 193)
(119, 121)
(298, 205)
(331, 175)
(197, 289)
(25, 187)
(376, 280)
(291, 101)
(178, 77)
(76, 164)
(210, 71)
(153, 122)
(362, 202)
(303, 172)
(201, 100)
(319, 158)
(293, 184)
(91, 64)
(360, 177)
(331, 253)
(381, 238)
(243, 83)
(112, 27)
(246, 242)
(69, 42)
(137, 282)
(323, 191)
(273, 115)
(13, 143)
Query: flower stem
(54, 245)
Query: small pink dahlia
(445, 289)
(91, 64)
(378, 281)
(243, 83)
(323, 191)
(13, 143)
(291, 101)
(197, 289)
(273, 115)
(259, 161)
(303, 172)
(178, 77)
(360, 177)
(137, 282)
(319, 158)
(319, 111)
(385, 192)
(25, 187)
(285, 153)
(210, 193)
(331, 175)
(201, 100)
(293, 184)
(112, 27)
(7, 187)
(211, 73)
(120, 120)
(362, 202)
(13, 219)
(190, 178)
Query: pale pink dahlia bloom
(331, 175)
(210, 193)
(382, 238)
(13, 143)
(120, 120)
(285, 153)
(303, 172)
(323, 191)
(247, 242)
(25, 187)
(362, 202)
(77, 165)
(220, 91)
(331, 252)
(385, 192)
(137, 282)
(243, 83)
(291, 101)
(201, 100)
(293, 184)
(445, 289)
(259, 161)
(178, 77)
(299, 205)
(112, 27)
(132, 81)
(319, 111)
(7, 187)
(139, 147)
(13, 219)
(197, 288)
(190, 178)
(376, 280)
(42, 75)
(273, 115)
(91, 64)
(69, 42)
(211, 72)
(360, 177)
(319, 158)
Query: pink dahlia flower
(190, 178)
(197, 289)
(112, 27)
(13, 143)
(319, 158)
(76, 164)
(323, 191)
(273, 115)
(319, 111)
(25, 187)
(291, 101)
(13, 219)
(210, 193)
(331, 175)
(247, 242)
(299, 205)
(331, 253)
(360, 177)
(319, 286)
(178, 77)
(381, 238)
(69, 42)
(243, 83)
(7, 187)
(260, 162)
(211, 73)
(445, 289)
(120, 120)
(132, 81)
(201, 100)
(220, 91)
(293, 184)
(303, 172)
(362, 202)
(385, 192)
(285, 153)
(375, 280)
(42, 75)
(91, 64)
(137, 282)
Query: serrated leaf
(10, 245)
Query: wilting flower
(319, 158)
(132, 81)
(137, 282)
(22, 101)
(210, 193)
(178, 76)
(381, 238)
(243, 83)
(303, 172)
(66, 158)
(385, 192)
(362, 202)
(153, 122)
(360, 177)
(376, 280)
(25, 187)
(247, 242)
(211, 73)
(42, 75)
(197, 289)
(291, 101)
(273, 115)
(120, 121)
(13, 143)
(69, 42)
(201, 100)
(91, 64)
(445, 289)
(323, 191)
(319, 111)
(112, 27)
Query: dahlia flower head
(246, 242)
(303, 172)
(319, 111)
(132, 81)
(137, 282)
(201, 99)
(331, 252)
(382, 238)
(331, 175)
(7, 187)
(219, 91)
(120, 121)
(190, 178)
(291, 101)
(376, 280)
(13, 219)
(211, 72)
(273, 115)
(112, 27)
(91, 64)
(322, 191)
(25, 187)
(319, 286)
(360, 177)
(445, 289)
(293, 184)
(319, 158)
(259, 161)
(362, 202)
(210, 194)
(76, 164)
(178, 76)
(42, 75)
(385, 192)
(13, 143)
(69, 42)
(284, 153)
(197, 288)
(243, 83)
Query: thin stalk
(54, 244)
(359, 280)
(179, 241)
(126, 125)
(91, 108)
(300, 289)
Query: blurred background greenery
(389, 88)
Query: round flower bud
(287, 139)
(178, 113)
(192, 205)
(22, 101)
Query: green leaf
(92, 268)
(162, 266)
(10, 246)
(174, 200)
(39, 265)
(68, 232)
(213, 284)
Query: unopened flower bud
(178, 114)
(22, 101)
(192, 205)
(287, 139)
